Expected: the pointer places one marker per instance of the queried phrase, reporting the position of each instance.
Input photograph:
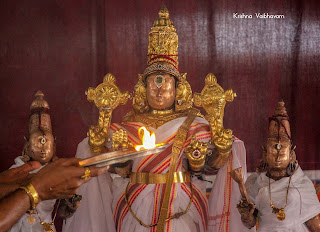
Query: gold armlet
(32, 193)
(196, 153)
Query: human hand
(62, 178)
(20, 175)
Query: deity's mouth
(159, 99)
(43, 155)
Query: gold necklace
(46, 226)
(162, 112)
(279, 211)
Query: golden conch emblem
(213, 99)
(107, 94)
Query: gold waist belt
(156, 178)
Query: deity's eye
(43, 140)
(159, 80)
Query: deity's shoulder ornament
(213, 99)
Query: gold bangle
(32, 193)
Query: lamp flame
(148, 140)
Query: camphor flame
(148, 141)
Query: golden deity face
(41, 146)
(161, 91)
(278, 155)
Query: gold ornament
(156, 118)
(196, 153)
(213, 99)
(183, 94)
(120, 140)
(47, 227)
(279, 211)
(31, 219)
(139, 101)
(87, 174)
(32, 193)
(106, 96)
(163, 46)
(281, 215)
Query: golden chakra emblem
(107, 94)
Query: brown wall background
(63, 47)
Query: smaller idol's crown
(163, 45)
(279, 126)
(39, 114)
(39, 102)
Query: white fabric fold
(302, 205)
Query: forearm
(12, 208)
(314, 224)
(6, 189)
(217, 159)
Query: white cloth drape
(303, 203)
(100, 195)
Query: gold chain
(46, 226)
(279, 211)
(176, 215)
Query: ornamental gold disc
(281, 215)
(31, 219)
(47, 227)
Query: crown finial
(281, 109)
(164, 13)
(39, 101)
(279, 126)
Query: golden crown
(163, 46)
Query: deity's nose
(159, 92)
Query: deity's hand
(246, 210)
(196, 153)
(62, 178)
(69, 206)
(223, 144)
(98, 134)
